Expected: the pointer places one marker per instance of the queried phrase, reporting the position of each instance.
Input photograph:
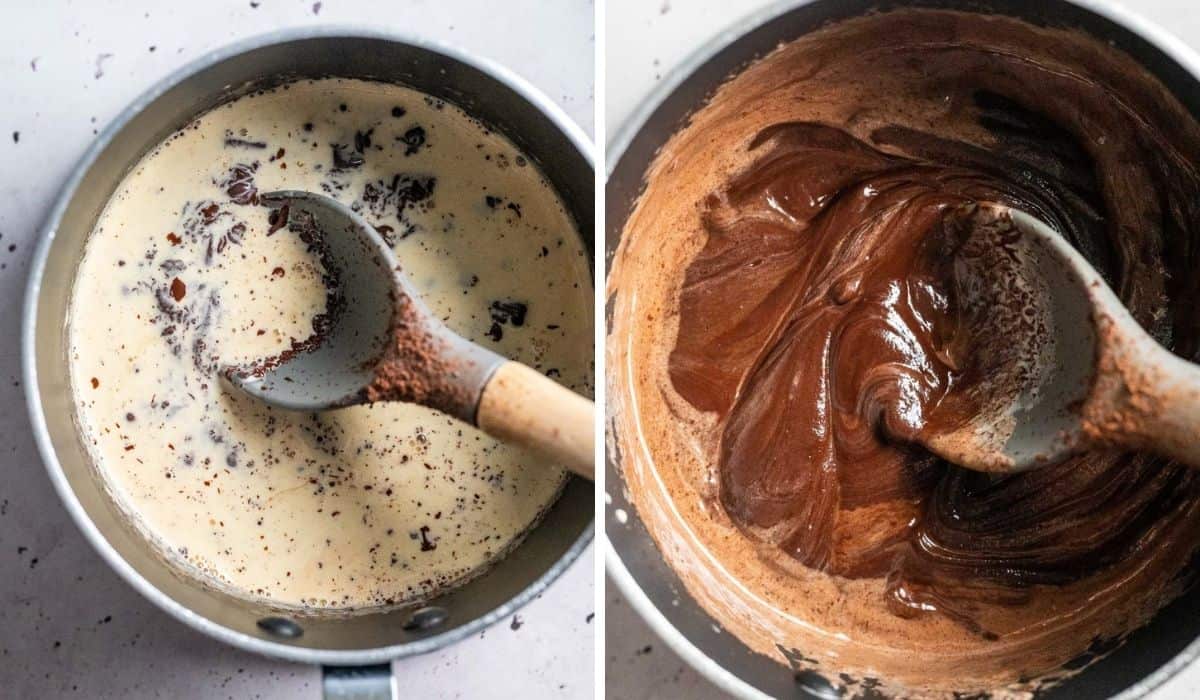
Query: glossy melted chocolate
(821, 331)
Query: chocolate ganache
(847, 340)
(819, 202)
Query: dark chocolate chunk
(413, 139)
(232, 142)
(404, 191)
(344, 158)
(511, 312)
(278, 218)
(362, 140)
(209, 213)
(239, 184)
(427, 545)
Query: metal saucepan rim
(1170, 45)
(29, 370)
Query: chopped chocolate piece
(427, 545)
(398, 112)
(404, 191)
(210, 213)
(100, 59)
(344, 159)
(509, 312)
(413, 139)
(362, 140)
(178, 289)
(232, 142)
(278, 218)
(239, 184)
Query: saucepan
(1150, 655)
(355, 649)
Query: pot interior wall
(1134, 667)
(567, 526)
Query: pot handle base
(358, 682)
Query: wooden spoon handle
(522, 406)
(1155, 403)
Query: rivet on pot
(810, 684)
(280, 627)
(426, 619)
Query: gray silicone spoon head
(1039, 298)
(368, 298)
(1078, 371)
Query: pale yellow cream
(355, 508)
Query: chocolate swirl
(822, 323)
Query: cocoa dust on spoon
(414, 365)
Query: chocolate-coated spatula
(1105, 382)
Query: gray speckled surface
(68, 626)
(646, 39)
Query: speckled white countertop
(646, 39)
(68, 626)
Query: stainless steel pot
(1150, 655)
(483, 89)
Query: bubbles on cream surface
(361, 507)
